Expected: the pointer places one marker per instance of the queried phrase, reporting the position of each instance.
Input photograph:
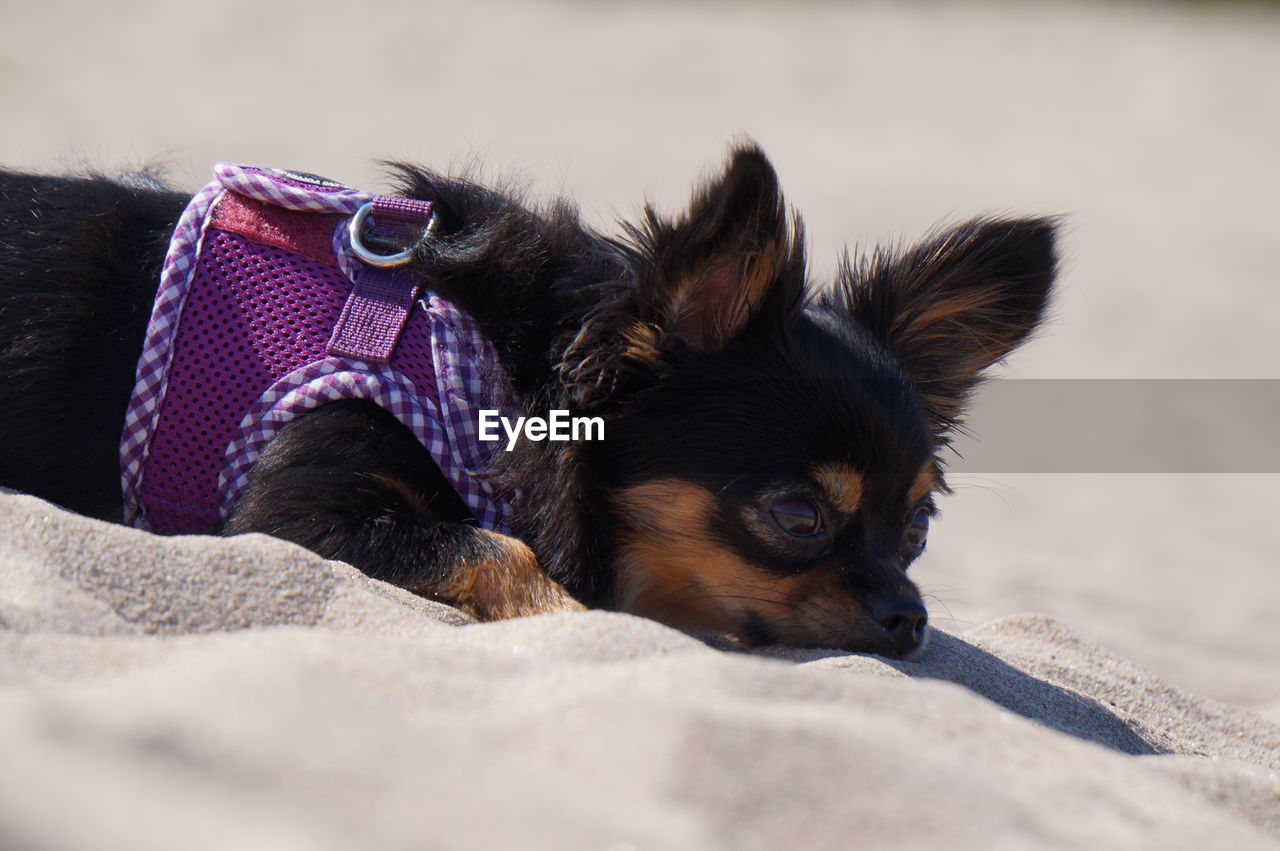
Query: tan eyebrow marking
(842, 484)
(926, 482)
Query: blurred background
(1154, 128)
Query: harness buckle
(358, 235)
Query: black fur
(698, 341)
(79, 262)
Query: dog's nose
(903, 618)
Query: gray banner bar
(1122, 426)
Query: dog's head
(771, 471)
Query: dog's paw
(508, 583)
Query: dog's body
(769, 452)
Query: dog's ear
(732, 258)
(955, 304)
(732, 262)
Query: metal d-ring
(371, 258)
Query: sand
(1107, 667)
(245, 693)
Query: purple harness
(265, 312)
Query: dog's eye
(796, 517)
(917, 534)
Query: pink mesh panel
(254, 313)
(413, 358)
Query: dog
(771, 448)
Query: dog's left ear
(732, 258)
(734, 261)
(956, 304)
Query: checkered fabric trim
(449, 431)
(465, 364)
(157, 349)
(278, 187)
(342, 251)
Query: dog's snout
(903, 618)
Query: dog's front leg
(349, 482)
(492, 576)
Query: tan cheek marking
(843, 485)
(822, 612)
(677, 586)
(670, 568)
(508, 583)
(672, 571)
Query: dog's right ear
(733, 260)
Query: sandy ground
(1153, 128)
(268, 699)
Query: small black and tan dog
(770, 448)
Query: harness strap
(376, 311)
